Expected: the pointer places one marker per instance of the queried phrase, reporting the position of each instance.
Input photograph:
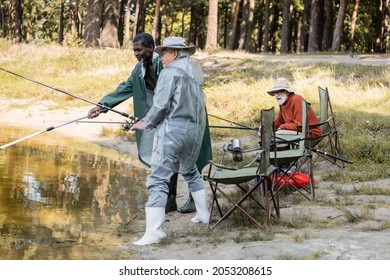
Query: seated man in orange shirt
(290, 109)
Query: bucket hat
(280, 84)
(175, 43)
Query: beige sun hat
(175, 43)
(280, 84)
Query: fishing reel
(126, 126)
(235, 147)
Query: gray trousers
(157, 184)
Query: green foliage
(72, 40)
(41, 20)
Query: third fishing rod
(135, 119)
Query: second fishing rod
(135, 119)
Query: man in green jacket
(140, 85)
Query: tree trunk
(197, 33)
(259, 11)
(93, 22)
(183, 25)
(249, 26)
(136, 16)
(275, 28)
(266, 27)
(286, 27)
(109, 35)
(338, 30)
(381, 26)
(327, 34)
(76, 18)
(18, 21)
(121, 21)
(29, 23)
(193, 23)
(126, 39)
(201, 38)
(139, 18)
(225, 23)
(167, 25)
(314, 29)
(303, 28)
(81, 31)
(69, 23)
(235, 13)
(212, 25)
(62, 23)
(244, 23)
(156, 22)
(353, 25)
(2, 19)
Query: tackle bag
(297, 180)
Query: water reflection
(66, 200)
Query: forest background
(252, 25)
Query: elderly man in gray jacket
(179, 116)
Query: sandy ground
(308, 230)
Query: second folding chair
(295, 164)
(256, 183)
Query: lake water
(64, 199)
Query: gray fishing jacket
(179, 115)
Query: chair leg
(274, 196)
(236, 205)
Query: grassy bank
(236, 90)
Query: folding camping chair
(295, 168)
(256, 182)
(328, 144)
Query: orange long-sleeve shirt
(290, 115)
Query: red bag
(297, 180)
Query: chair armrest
(221, 165)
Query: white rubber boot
(155, 217)
(202, 212)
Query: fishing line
(135, 119)
(232, 122)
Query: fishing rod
(92, 122)
(135, 119)
(331, 155)
(232, 122)
(311, 148)
(125, 125)
(50, 128)
(232, 127)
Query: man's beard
(281, 100)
